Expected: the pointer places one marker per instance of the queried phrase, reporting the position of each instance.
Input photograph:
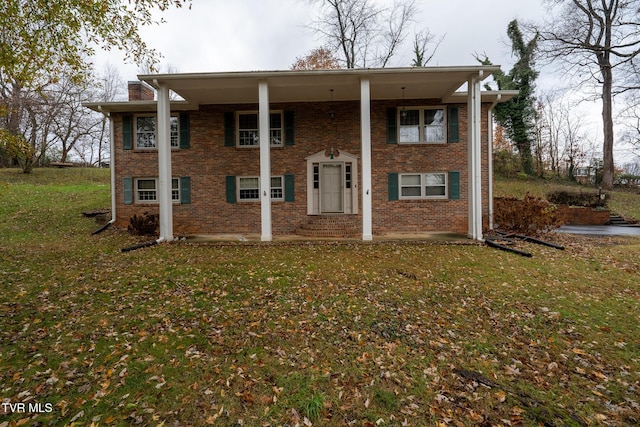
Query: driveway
(600, 230)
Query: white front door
(331, 188)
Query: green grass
(273, 334)
(625, 202)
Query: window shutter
(185, 190)
(229, 129)
(127, 190)
(127, 132)
(393, 186)
(185, 132)
(392, 126)
(231, 189)
(454, 185)
(289, 128)
(454, 125)
(289, 188)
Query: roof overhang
(442, 83)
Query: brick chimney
(140, 91)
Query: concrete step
(619, 220)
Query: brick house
(351, 153)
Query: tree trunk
(607, 120)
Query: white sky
(249, 35)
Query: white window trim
(421, 125)
(280, 112)
(155, 132)
(157, 184)
(423, 179)
(273, 199)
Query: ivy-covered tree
(517, 116)
(43, 39)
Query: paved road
(600, 230)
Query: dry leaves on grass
(390, 334)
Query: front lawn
(323, 334)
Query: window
(277, 188)
(248, 129)
(423, 186)
(249, 188)
(147, 190)
(422, 126)
(146, 132)
(316, 176)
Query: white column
(365, 131)
(474, 157)
(163, 142)
(265, 160)
(490, 158)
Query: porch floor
(251, 237)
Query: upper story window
(422, 125)
(145, 132)
(249, 129)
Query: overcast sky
(247, 35)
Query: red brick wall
(208, 162)
(576, 215)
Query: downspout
(112, 166)
(490, 157)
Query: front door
(331, 188)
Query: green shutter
(185, 132)
(392, 126)
(229, 129)
(454, 185)
(127, 132)
(454, 125)
(289, 128)
(185, 190)
(127, 190)
(231, 189)
(289, 188)
(393, 186)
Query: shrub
(572, 198)
(144, 225)
(532, 215)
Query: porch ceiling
(309, 86)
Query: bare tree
(564, 138)
(421, 42)
(594, 39)
(71, 122)
(360, 32)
